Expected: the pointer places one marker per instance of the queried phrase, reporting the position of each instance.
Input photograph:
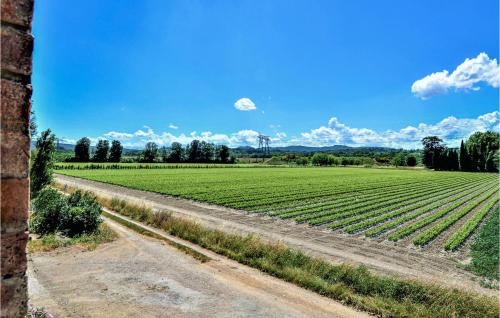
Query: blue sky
(316, 72)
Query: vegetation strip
(466, 230)
(408, 217)
(384, 214)
(354, 286)
(411, 228)
(485, 250)
(142, 230)
(437, 229)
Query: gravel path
(136, 276)
(383, 257)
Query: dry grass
(86, 242)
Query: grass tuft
(87, 242)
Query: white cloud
(464, 77)
(118, 135)
(451, 129)
(244, 104)
(172, 126)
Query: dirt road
(136, 276)
(383, 257)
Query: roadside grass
(87, 242)
(351, 285)
(197, 255)
(485, 250)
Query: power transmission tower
(264, 145)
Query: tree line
(103, 152)
(196, 152)
(479, 153)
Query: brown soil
(384, 257)
(136, 276)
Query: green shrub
(73, 216)
(83, 216)
(48, 209)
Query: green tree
(224, 154)
(194, 151)
(115, 153)
(101, 151)
(433, 147)
(207, 152)
(82, 150)
(492, 162)
(411, 161)
(176, 152)
(399, 160)
(480, 145)
(150, 152)
(41, 169)
(465, 164)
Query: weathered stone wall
(16, 52)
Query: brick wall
(15, 86)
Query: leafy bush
(83, 216)
(48, 208)
(75, 215)
(323, 159)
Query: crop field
(426, 208)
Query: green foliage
(176, 153)
(82, 150)
(224, 154)
(150, 152)
(115, 153)
(41, 168)
(83, 215)
(323, 159)
(432, 148)
(483, 146)
(399, 160)
(466, 230)
(486, 247)
(302, 161)
(101, 151)
(74, 215)
(411, 161)
(48, 210)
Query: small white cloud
(464, 77)
(118, 135)
(244, 104)
(172, 126)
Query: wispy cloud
(244, 104)
(465, 77)
(172, 126)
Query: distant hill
(306, 149)
(71, 147)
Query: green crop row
(386, 214)
(409, 204)
(348, 202)
(409, 229)
(354, 209)
(394, 223)
(437, 229)
(466, 230)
